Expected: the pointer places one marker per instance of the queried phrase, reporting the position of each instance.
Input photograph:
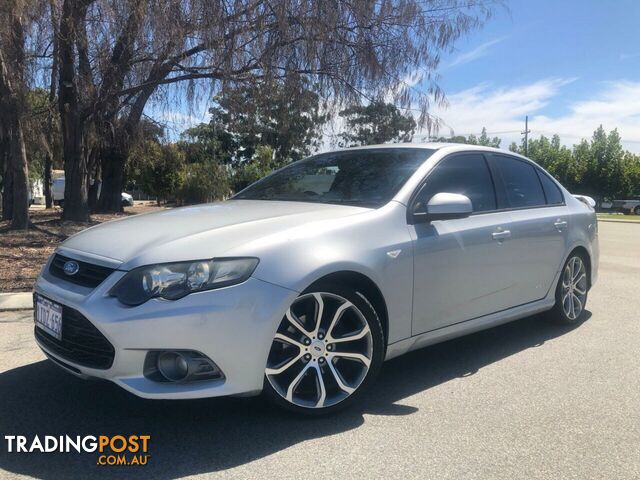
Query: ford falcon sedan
(304, 283)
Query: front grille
(89, 275)
(81, 343)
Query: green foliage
(377, 122)
(483, 140)
(599, 167)
(203, 182)
(253, 170)
(158, 169)
(284, 116)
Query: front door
(461, 265)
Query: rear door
(539, 225)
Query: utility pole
(526, 135)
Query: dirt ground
(22, 254)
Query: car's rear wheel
(572, 290)
(328, 348)
(637, 210)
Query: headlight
(175, 280)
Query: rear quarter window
(551, 190)
(520, 182)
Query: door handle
(560, 224)
(501, 235)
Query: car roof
(430, 146)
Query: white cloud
(502, 112)
(474, 54)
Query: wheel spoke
(580, 278)
(566, 305)
(573, 307)
(322, 391)
(336, 375)
(350, 338)
(352, 356)
(577, 269)
(285, 366)
(579, 290)
(318, 313)
(295, 321)
(289, 340)
(336, 318)
(576, 311)
(294, 383)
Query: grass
(619, 217)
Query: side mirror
(443, 206)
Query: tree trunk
(7, 180)
(53, 80)
(17, 206)
(113, 161)
(20, 171)
(48, 180)
(76, 206)
(94, 179)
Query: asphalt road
(526, 400)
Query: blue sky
(569, 65)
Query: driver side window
(466, 174)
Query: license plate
(48, 316)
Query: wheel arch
(366, 287)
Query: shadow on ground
(200, 436)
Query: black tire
(377, 352)
(637, 210)
(558, 313)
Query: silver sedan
(301, 285)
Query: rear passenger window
(551, 190)
(521, 183)
(466, 174)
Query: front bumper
(233, 326)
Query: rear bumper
(233, 326)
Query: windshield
(358, 177)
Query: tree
(377, 122)
(115, 55)
(13, 86)
(284, 116)
(160, 169)
(262, 164)
(204, 182)
(600, 163)
(630, 175)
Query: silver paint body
(439, 280)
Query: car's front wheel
(328, 348)
(572, 290)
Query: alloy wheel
(574, 288)
(322, 351)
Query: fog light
(180, 366)
(173, 366)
